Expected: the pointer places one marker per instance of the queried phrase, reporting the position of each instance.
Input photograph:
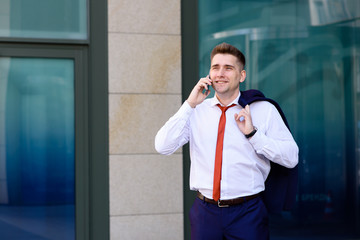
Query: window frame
(91, 115)
(189, 73)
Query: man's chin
(220, 89)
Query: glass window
(37, 159)
(56, 19)
(305, 55)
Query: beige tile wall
(146, 192)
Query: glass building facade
(37, 112)
(65, 19)
(37, 148)
(47, 132)
(305, 54)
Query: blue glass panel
(37, 164)
(65, 19)
(305, 55)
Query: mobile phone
(207, 91)
(208, 85)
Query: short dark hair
(225, 48)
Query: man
(230, 149)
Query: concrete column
(146, 192)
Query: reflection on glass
(65, 19)
(323, 12)
(37, 149)
(305, 55)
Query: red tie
(218, 154)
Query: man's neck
(225, 100)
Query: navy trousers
(246, 221)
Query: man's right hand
(198, 95)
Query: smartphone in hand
(208, 87)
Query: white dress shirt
(246, 162)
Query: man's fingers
(238, 117)
(206, 80)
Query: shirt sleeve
(275, 141)
(175, 133)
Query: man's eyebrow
(226, 65)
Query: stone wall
(146, 189)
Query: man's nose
(221, 72)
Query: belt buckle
(219, 204)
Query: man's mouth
(221, 81)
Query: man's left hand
(244, 121)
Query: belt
(228, 202)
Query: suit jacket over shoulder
(281, 184)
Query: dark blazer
(281, 184)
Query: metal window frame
(189, 72)
(91, 115)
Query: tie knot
(223, 109)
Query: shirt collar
(215, 100)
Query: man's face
(226, 74)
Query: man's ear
(242, 76)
